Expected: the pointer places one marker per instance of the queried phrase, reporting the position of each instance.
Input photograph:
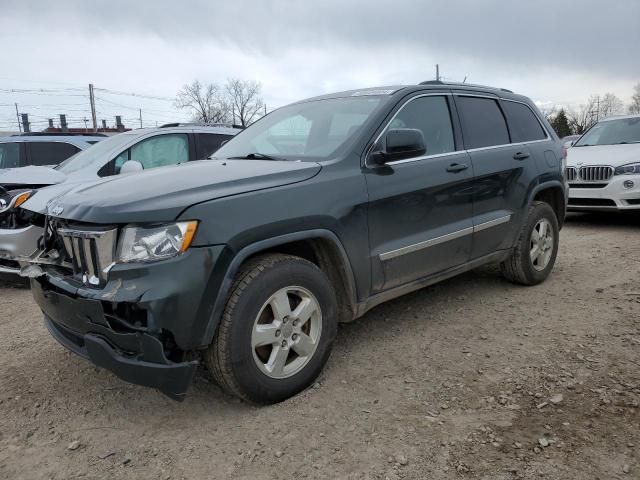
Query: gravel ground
(472, 378)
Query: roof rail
(58, 134)
(200, 124)
(460, 84)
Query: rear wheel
(276, 331)
(531, 260)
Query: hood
(613, 155)
(160, 195)
(30, 176)
(44, 196)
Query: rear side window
(208, 143)
(523, 124)
(431, 116)
(483, 124)
(50, 153)
(9, 155)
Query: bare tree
(584, 116)
(245, 100)
(609, 105)
(206, 102)
(635, 100)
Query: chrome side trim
(444, 238)
(426, 244)
(491, 223)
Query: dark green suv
(313, 215)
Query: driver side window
(431, 116)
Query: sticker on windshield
(363, 93)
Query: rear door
(502, 172)
(420, 209)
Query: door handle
(457, 167)
(521, 155)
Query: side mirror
(398, 144)
(131, 166)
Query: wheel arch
(321, 247)
(552, 193)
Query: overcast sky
(556, 52)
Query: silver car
(128, 152)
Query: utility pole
(92, 99)
(437, 72)
(140, 117)
(18, 117)
(86, 126)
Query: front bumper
(143, 325)
(614, 196)
(20, 242)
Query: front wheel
(276, 331)
(531, 260)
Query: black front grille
(588, 185)
(634, 201)
(592, 202)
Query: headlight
(14, 199)
(146, 244)
(629, 169)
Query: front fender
(229, 264)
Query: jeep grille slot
(91, 253)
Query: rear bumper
(136, 357)
(21, 242)
(615, 196)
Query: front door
(420, 210)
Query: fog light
(629, 184)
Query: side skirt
(395, 292)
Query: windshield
(612, 132)
(305, 131)
(95, 153)
(9, 155)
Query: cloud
(553, 51)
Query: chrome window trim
(438, 155)
(443, 238)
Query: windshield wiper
(256, 156)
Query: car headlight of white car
(629, 169)
(150, 243)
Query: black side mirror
(398, 144)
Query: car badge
(57, 210)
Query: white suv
(142, 149)
(603, 166)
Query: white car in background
(128, 152)
(603, 166)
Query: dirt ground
(472, 378)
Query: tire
(520, 267)
(238, 359)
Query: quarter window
(431, 116)
(524, 125)
(50, 153)
(208, 143)
(483, 124)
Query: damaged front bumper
(144, 325)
